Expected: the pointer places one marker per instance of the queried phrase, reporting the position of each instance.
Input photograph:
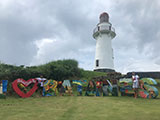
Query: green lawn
(79, 108)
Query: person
(98, 88)
(151, 93)
(60, 88)
(115, 87)
(1, 88)
(91, 89)
(2, 95)
(79, 88)
(67, 86)
(41, 80)
(141, 84)
(135, 80)
(105, 88)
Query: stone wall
(155, 75)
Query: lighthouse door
(97, 63)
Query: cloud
(137, 35)
(36, 32)
(18, 32)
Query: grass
(88, 75)
(79, 108)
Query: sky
(34, 32)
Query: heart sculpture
(25, 83)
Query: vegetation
(57, 70)
(88, 75)
(80, 108)
(53, 70)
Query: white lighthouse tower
(104, 33)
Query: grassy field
(80, 108)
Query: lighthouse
(104, 33)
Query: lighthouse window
(97, 63)
(98, 28)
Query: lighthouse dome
(104, 17)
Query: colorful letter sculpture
(23, 84)
(49, 88)
(146, 89)
(3, 88)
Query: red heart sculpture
(25, 83)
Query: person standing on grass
(105, 88)
(41, 80)
(135, 80)
(1, 87)
(60, 88)
(91, 89)
(68, 88)
(99, 88)
(115, 87)
(5, 83)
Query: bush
(56, 70)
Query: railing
(102, 28)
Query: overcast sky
(34, 32)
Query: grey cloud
(24, 23)
(137, 28)
(20, 26)
(71, 23)
(145, 19)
